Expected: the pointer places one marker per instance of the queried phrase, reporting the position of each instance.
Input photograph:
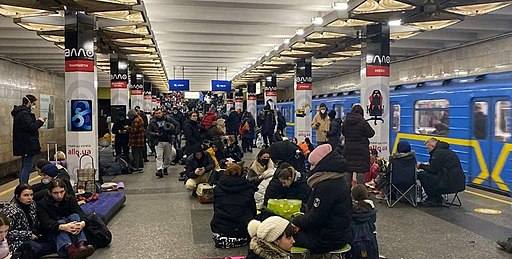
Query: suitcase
(50, 144)
(204, 193)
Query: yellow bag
(284, 207)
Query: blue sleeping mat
(106, 206)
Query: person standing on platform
(281, 124)
(25, 135)
(334, 133)
(232, 123)
(146, 124)
(248, 135)
(267, 124)
(136, 139)
(357, 133)
(161, 132)
(321, 124)
(120, 129)
(191, 131)
(178, 116)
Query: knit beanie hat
(403, 147)
(319, 153)
(268, 230)
(332, 114)
(50, 170)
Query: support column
(230, 102)
(154, 98)
(81, 92)
(251, 100)
(239, 99)
(119, 92)
(303, 97)
(271, 91)
(375, 85)
(137, 90)
(148, 100)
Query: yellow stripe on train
(484, 174)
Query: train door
(394, 122)
(491, 127)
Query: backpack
(365, 242)
(245, 127)
(97, 232)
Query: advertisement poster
(47, 104)
(303, 97)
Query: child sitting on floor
(364, 216)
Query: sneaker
(166, 172)
(160, 173)
(506, 245)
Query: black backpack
(97, 232)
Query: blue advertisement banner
(221, 85)
(179, 85)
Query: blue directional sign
(179, 85)
(221, 85)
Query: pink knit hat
(319, 153)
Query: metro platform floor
(162, 220)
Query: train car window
(431, 117)
(502, 121)
(480, 112)
(340, 111)
(396, 117)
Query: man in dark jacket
(267, 124)
(178, 116)
(334, 133)
(326, 225)
(146, 124)
(281, 124)
(287, 183)
(443, 173)
(199, 168)
(120, 129)
(63, 219)
(25, 135)
(357, 132)
(232, 123)
(162, 130)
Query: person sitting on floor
(364, 216)
(198, 169)
(270, 239)
(443, 173)
(64, 221)
(24, 226)
(326, 224)
(4, 230)
(49, 172)
(288, 183)
(233, 208)
(233, 150)
(260, 165)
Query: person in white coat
(262, 187)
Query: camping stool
(340, 253)
(300, 251)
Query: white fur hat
(268, 230)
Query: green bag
(284, 207)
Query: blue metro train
(472, 114)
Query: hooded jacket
(328, 218)
(50, 211)
(268, 122)
(232, 123)
(445, 164)
(233, 206)
(192, 134)
(357, 132)
(298, 190)
(261, 249)
(25, 134)
(208, 119)
(157, 126)
(192, 164)
(334, 134)
(20, 230)
(265, 178)
(321, 131)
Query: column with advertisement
(119, 92)
(137, 90)
(271, 91)
(239, 99)
(81, 92)
(230, 102)
(147, 97)
(303, 96)
(251, 100)
(375, 85)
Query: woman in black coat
(191, 131)
(287, 183)
(334, 133)
(326, 225)
(357, 132)
(233, 208)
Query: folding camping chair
(402, 181)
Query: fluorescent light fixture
(40, 26)
(340, 5)
(125, 2)
(126, 15)
(276, 47)
(432, 25)
(53, 38)
(299, 32)
(395, 23)
(132, 29)
(325, 35)
(317, 20)
(267, 54)
(403, 35)
(141, 49)
(348, 23)
(286, 41)
(381, 6)
(19, 12)
(138, 41)
(307, 45)
(478, 9)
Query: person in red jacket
(209, 118)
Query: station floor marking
(489, 197)
(11, 190)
